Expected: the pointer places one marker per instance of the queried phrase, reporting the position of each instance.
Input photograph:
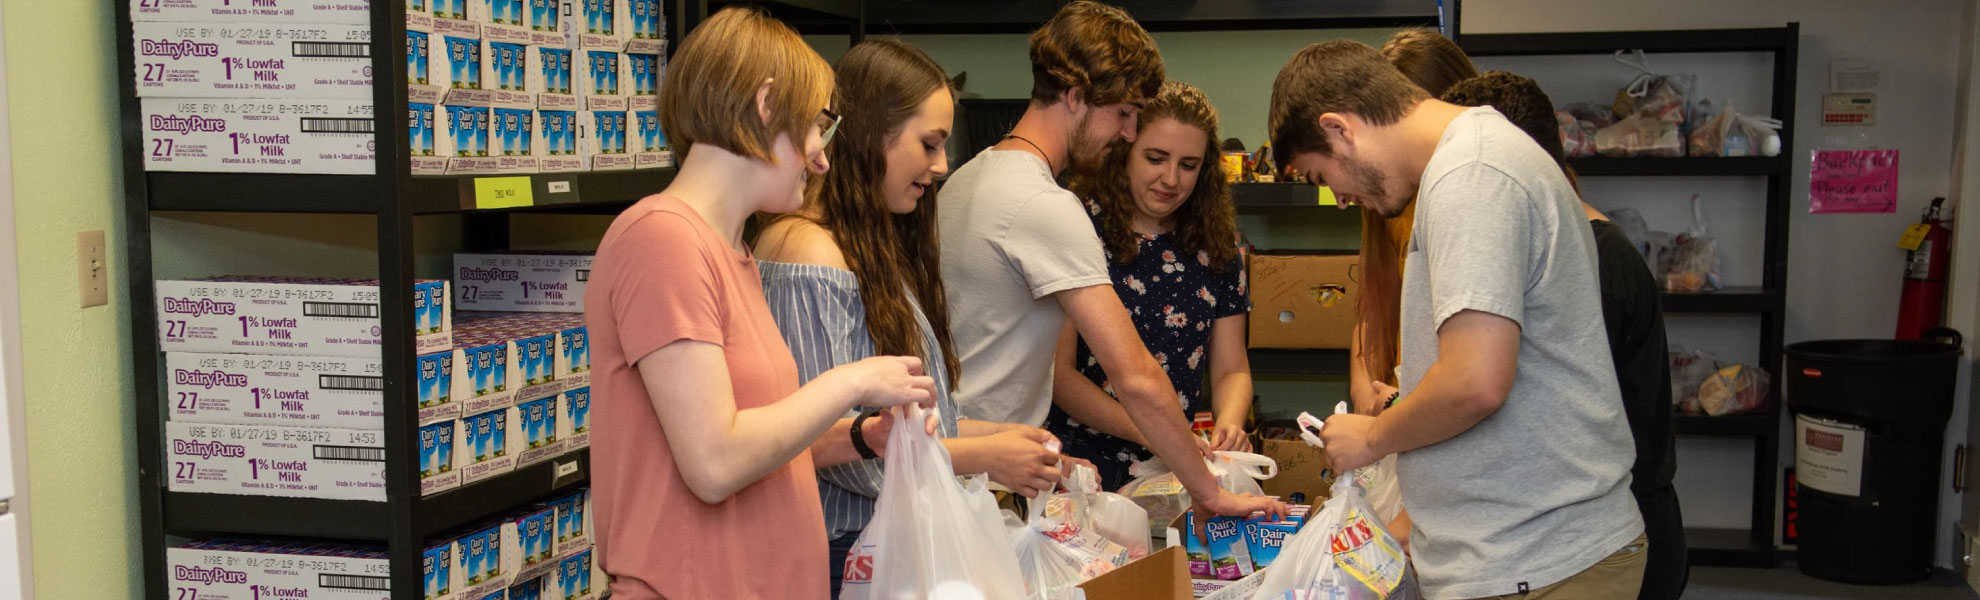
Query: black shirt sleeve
(1632, 310)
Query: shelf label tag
(565, 469)
(1914, 235)
(1327, 196)
(502, 192)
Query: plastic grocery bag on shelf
(1732, 133)
(1639, 135)
(1157, 490)
(1343, 552)
(931, 536)
(1689, 368)
(1692, 262)
(1576, 135)
(1057, 549)
(1734, 389)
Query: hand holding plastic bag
(1158, 491)
(1111, 515)
(931, 536)
(1343, 552)
(1057, 549)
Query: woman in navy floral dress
(1163, 209)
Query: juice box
(1226, 556)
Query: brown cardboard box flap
(1162, 575)
(1303, 300)
(1302, 469)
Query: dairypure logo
(486, 275)
(208, 449)
(208, 379)
(197, 307)
(208, 576)
(177, 49)
(187, 125)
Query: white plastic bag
(1343, 552)
(931, 536)
(1384, 491)
(1113, 516)
(1691, 264)
(1057, 550)
(1157, 490)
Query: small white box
(529, 539)
(478, 563)
(292, 391)
(514, 137)
(556, 141)
(574, 353)
(486, 374)
(573, 528)
(291, 316)
(526, 282)
(606, 23)
(435, 374)
(508, 21)
(574, 578)
(605, 75)
(437, 574)
(472, 11)
(299, 462)
(576, 424)
(436, 458)
(240, 569)
(419, 57)
(483, 440)
(421, 125)
(552, 78)
(651, 151)
(258, 136)
(606, 144)
(507, 76)
(539, 430)
(551, 23)
(284, 12)
(466, 144)
(644, 72)
(252, 60)
(649, 32)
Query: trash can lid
(1872, 351)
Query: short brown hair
(1340, 76)
(1097, 48)
(1521, 100)
(1429, 59)
(710, 93)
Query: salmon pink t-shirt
(664, 275)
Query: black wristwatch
(859, 441)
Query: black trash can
(1870, 420)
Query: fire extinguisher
(1923, 301)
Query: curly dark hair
(1206, 222)
(1521, 100)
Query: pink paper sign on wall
(1853, 181)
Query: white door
(15, 580)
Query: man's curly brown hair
(1206, 222)
(1096, 48)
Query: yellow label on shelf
(1327, 196)
(1914, 235)
(503, 192)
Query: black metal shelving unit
(1753, 546)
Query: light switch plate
(92, 269)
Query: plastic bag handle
(1698, 215)
(1258, 466)
(1310, 426)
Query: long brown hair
(1434, 63)
(1206, 222)
(882, 83)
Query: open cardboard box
(1165, 575)
(1303, 300)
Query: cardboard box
(329, 136)
(252, 60)
(605, 144)
(240, 569)
(421, 123)
(515, 136)
(343, 12)
(539, 430)
(1303, 469)
(436, 458)
(573, 579)
(552, 23)
(508, 76)
(519, 281)
(652, 151)
(554, 81)
(607, 77)
(297, 462)
(466, 144)
(290, 316)
(649, 32)
(293, 391)
(577, 418)
(573, 524)
(437, 564)
(557, 142)
(1163, 574)
(478, 563)
(508, 21)
(607, 24)
(1303, 300)
(529, 539)
(484, 445)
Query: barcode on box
(350, 382)
(330, 50)
(353, 582)
(350, 453)
(584, 274)
(337, 126)
(340, 309)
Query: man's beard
(1370, 180)
(1089, 152)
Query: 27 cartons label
(252, 60)
(259, 136)
(344, 464)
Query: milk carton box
(527, 282)
(478, 563)
(574, 352)
(530, 539)
(252, 389)
(297, 462)
(329, 136)
(433, 374)
(557, 142)
(1264, 537)
(644, 72)
(470, 11)
(531, 589)
(607, 76)
(606, 25)
(242, 569)
(515, 130)
(419, 57)
(290, 316)
(539, 357)
(278, 12)
(573, 579)
(550, 23)
(553, 80)
(649, 34)
(467, 79)
(486, 375)
(572, 534)
(508, 21)
(421, 123)
(652, 151)
(539, 429)
(1226, 556)
(577, 418)
(506, 73)
(252, 60)
(483, 445)
(436, 458)
(466, 144)
(437, 564)
(608, 141)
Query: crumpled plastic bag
(1343, 552)
(1057, 549)
(1734, 389)
(1111, 515)
(1157, 490)
(1691, 264)
(1639, 136)
(1689, 368)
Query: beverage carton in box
(253, 389)
(652, 151)
(1303, 300)
(341, 12)
(573, 531)
(556, 143)
(606, 24)
(649, 35)
(529, 539)
(478, 562)
(531, 589)
(574, 352)
(252, 60)
(483, 445)
(419, 57)
(419, 15)
(462, 73)
(466, 144)
(438, 564)
(290, 316)
(328, 136)
(550, 23)
(1225, 556)
(422, 121)
(539, 428)
(507, 75)
(296, 462)
(573, 579)
(243, 569)
(434, 374)
(607, 77)
(520, 281)
(485, 372)
(555, 80)
(538, 353)
(1265, 537)
(436, 458)
(606, 144)
(643, 72)
(469, 11)
(508, 21)
(577, 418)
(515, 132)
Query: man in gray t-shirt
(1514, 454)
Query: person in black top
(1632, 309)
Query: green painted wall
(62, 106)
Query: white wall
(1843, 269)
